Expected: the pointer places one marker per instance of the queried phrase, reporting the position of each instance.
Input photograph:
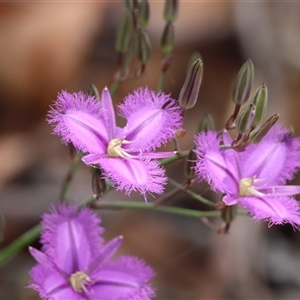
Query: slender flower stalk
(76, 264)
(256, 177)
(125, 155)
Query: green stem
(177, 156)
(153, 207)
(161, 81)
(69, 177)
(24, 240)
(191, 193)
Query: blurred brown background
(49, 46)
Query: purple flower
(75, 264)
(254, 178)
(124, 154)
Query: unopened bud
(259, 133)
(193, 58)
(98, 184)
(167, 38)
(93, 91)
(189, 92)
(170, 10)
(243, 83)
(144, 46)
(206, 123)
(124, 33)
(143, 13)
(245, 118)
(260, 101)
(190, 164)
(131, 4)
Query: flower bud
(170, 10)
(206, 123)
(98, 184)
(189, 92)
(245, 118)
(167, 39)
(124, 33)
(144, 46)
(131, 4)
(260, 101)
(190, 164)
(243, 83)
(194, 56)
(143, 13)
(259, 133)
(93, 91)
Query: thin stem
(176, 157)
(24, 240)
(152, 206)
(69, 177)
(191, 193)
(164, 198)
(161, 81)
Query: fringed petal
(212, 165)
(276, 210)
(78, 119)
(70, 237)
(141, 175)
(125, 278)
(275, 159)
(152, 119)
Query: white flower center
(247, 188)
(79, 280)
(115, 148)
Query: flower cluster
(254, 178)
(76, 264)
(125, 155)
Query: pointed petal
(230, 199)
(276, 210)
(40, 257)
(141, 175)
(212, 166)
(78, 119)
(109, 113)
(71, 238)
(125, 278)
(275, 159)
(50, 284)
(280, 190)
(152, 119)
(104, 254)
(158, 155)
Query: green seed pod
(143, 13)
(245, 118)
(170, 10)
(206, 123)
(167, 39)
(124, 33)
(93, 91)
(260, 101)
(189, 92)
(259, 133)
(190, 163)
(243, 83)
(143, 46)
(98, 183)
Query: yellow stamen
(247, 188)
(79, 280)
(115, 148)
